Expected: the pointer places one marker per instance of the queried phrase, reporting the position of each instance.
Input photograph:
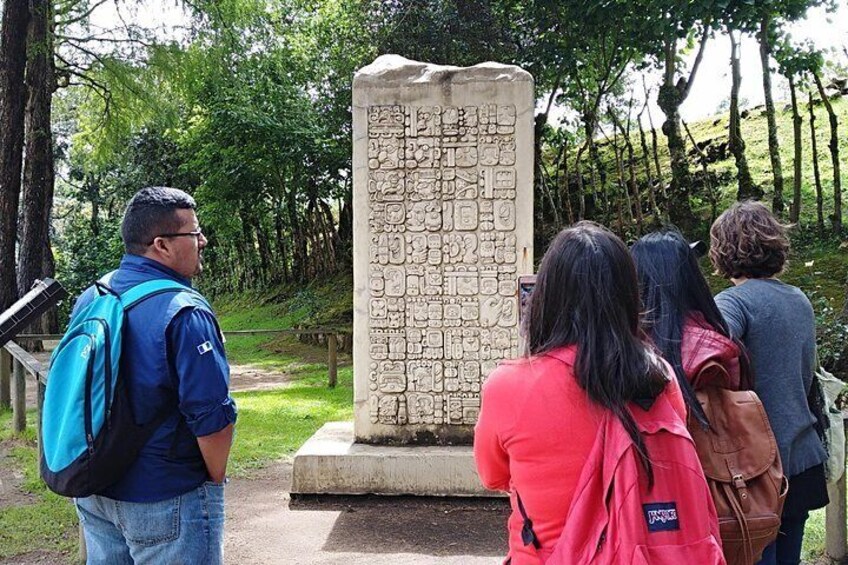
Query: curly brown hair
(748, 241)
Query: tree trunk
(746, 188)
(12, 99)
(346, 215)
(568, 209)
(774, 146)
(596, 173)
(649, 181)
(631, 169)
(581, 190)
(836, 219)
(795, 212)
(679, 209)
(282, 252)
(265, 256)
(298, 268)
(708, 186)
(38, 169)
(816, 172)
(50, 320)
(654, 144)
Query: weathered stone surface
(332, 463)
(443, 226)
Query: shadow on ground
(406, 524)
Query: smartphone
(525, 289)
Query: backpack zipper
(107, 385)
(89, 376)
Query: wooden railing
(15, 365)
(332, 335)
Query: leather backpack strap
(711, 367)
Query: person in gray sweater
(776, 323)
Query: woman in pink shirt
(586, 355)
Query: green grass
(50, 522)
(274, 424)
(323, 303)
(326, 304)
(814, 531)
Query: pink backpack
(674, 523)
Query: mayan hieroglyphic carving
(443, 258)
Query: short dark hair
(150, 212)
(748, 241)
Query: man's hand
(216, 450)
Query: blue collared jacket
(173, 358)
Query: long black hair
(587, 295)
(672, 286)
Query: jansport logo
(661, 516)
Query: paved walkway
(265, 527)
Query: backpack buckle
(742, 490)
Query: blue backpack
(89, 438)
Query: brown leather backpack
(743, 469)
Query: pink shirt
(534, 433)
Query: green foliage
(448, 32)
(83, 255)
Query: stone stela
(443, 228)
(443, 205)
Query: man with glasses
(169, 507)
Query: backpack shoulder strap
(145, 290)
(712, 373)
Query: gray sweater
(776, 323)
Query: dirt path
(10, 480)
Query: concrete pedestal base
(330, 462)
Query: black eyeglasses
(196, 233)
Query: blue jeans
(185, 530)
(786, 549)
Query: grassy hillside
(712, 132)
(755, 134)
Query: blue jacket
(173, 358)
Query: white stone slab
(443, 227)
(332, 463)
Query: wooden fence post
(836, 535)
(83, 551)
(332, 359)
(19, 401)
(40, 388)
(5, 379)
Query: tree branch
(697, 63)
(85, 15)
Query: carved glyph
(443, 258)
